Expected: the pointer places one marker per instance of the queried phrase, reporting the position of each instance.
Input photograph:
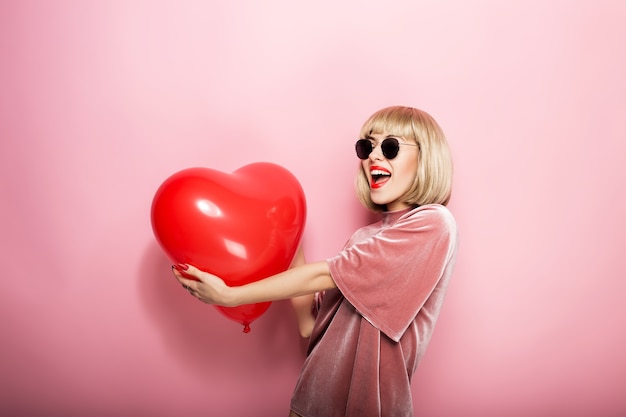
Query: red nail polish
(182, 267)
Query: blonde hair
(433, 179)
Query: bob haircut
(433, 180)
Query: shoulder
(434, 215)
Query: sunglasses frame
(389, 146)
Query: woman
(380, 297)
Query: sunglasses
(389, 147)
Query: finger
(190, 271)
(184, 281)
(177, 273)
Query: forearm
(295, 282)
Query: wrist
(228, 296)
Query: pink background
(100, 101)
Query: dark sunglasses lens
(363, 148)
(390, 148)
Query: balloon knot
(246, 328)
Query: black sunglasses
(389, 146)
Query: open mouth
(379, 176)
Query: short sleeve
(389, 275)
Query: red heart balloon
(242, 227)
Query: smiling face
(419, 173)
(390, 179)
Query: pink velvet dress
(372, 331)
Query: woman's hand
(205, 287)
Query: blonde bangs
(396, 121)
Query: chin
(380, 202)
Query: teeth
(379, 172)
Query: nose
(377, 152)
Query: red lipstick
(379, 176)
